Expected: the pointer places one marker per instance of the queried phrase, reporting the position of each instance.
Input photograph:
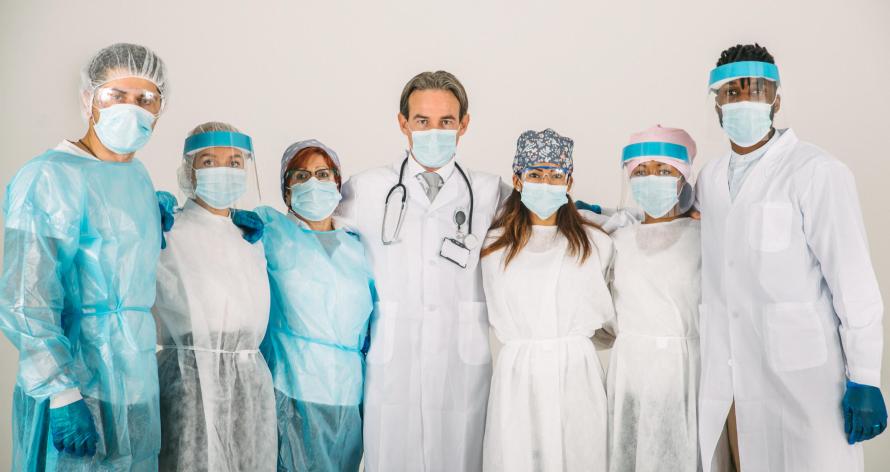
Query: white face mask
(544, 199)
(434, 148)
(220, 187)
(657, 195)
(746, 123)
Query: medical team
(741, 307)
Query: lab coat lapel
(452, 190)
(416, 193)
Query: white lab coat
(790, 306)
(548, 408)
(429, 365)
(654, 365)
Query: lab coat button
(729, 362)
(431, 262)
(431, 308)
(730, 263)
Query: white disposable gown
(654, 365)
(212, 308)
(547, 410)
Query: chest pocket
(769, 226)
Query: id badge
(455, 251)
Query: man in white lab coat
(791, 330)
(429, 364)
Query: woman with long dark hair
(544, 270)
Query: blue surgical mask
(124, 128)
(656, 194)
(435, 147)
(220, 187)
(746, 123)
(544, 199)
(314, 200)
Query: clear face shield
(219, 170)
(746, 95)
(657, 179)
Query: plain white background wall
(592, 70)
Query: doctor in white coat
(791, 332)
(422, 220)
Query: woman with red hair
(322, 298)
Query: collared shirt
(740, 165)
(417, 170)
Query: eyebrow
(447, 117)
(420, 117)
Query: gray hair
(438, 80)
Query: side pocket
(382, 332)
(473, 347)
(769, 226)
(795, 336)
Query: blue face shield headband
(745, 69)
(218, 139)
(654, 149)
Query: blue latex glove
(582, 205)
(166, 205)
(865, 415)
(73, 429)
(250, 223)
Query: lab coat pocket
(795, 337)
(473, 347)
(383, 324)
(769, 226)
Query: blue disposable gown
(322, 299)
(82, 238)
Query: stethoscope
(459, 217)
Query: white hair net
(119, 61)
(185, 172)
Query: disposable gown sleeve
(835, 232)
(42, 223)
(604, 337)
(374, 299)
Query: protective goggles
(149, 100)
(553, 175)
